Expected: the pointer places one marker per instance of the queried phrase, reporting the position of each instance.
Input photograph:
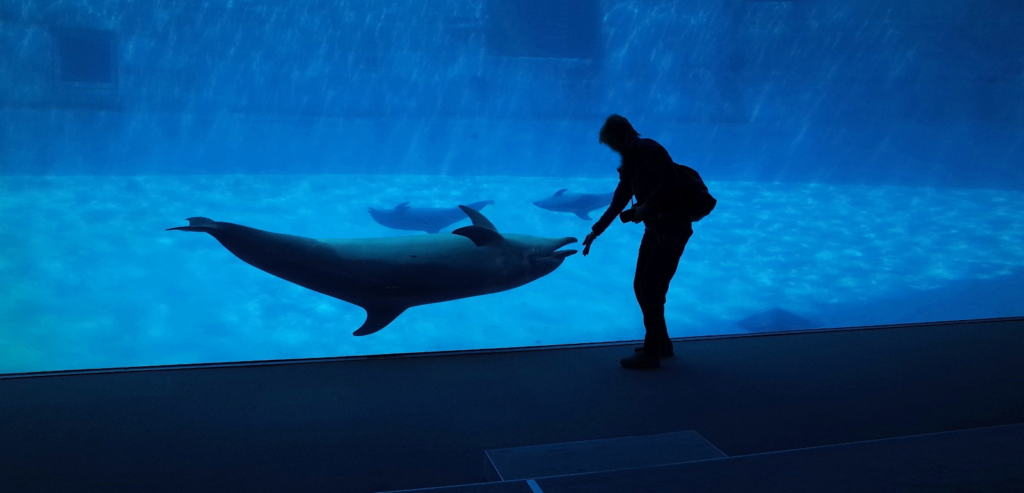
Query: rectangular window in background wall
(85, 56)
(543, 28)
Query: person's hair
(617, 131)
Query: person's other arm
(655, 160)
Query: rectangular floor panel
(496, 487)
(987, 459)
(559, 459)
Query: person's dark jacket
(647, 173)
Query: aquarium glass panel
(212, 181)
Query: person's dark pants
(660, 251)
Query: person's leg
(652, 282)
(643, 358)
(642, 259)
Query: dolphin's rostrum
(386, 276)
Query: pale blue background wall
(867, 91)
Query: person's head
(617, 133)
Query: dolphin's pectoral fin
(480, 236)
(378, 317)
(478, 218)
(583, 214)
(560, 192)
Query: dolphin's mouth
(561, 254)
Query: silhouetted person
(647, 173)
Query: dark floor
(366, 425)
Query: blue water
(93, 280)
(867, 155)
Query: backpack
(697, 201)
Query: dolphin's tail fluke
(200, 224)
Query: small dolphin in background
(426, 219)
(577, 203)
(386, 276)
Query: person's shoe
(664, 352)
(641, 359)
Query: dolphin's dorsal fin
(481, 236)
(378, 317)
(401, 207)
(560, 192)
(478, 218)
(201, 224)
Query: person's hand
(640, 212)
(587, 242)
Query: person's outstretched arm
(620, 199)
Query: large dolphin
(426, 219)
(386, 276)
(577, 203)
